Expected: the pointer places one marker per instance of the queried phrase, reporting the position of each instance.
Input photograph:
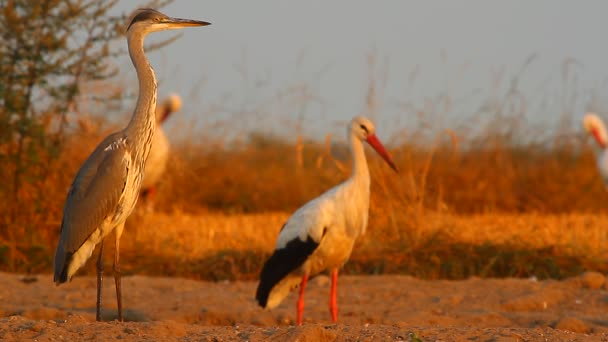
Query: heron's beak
(178, 23)
(374, 142)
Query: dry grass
(500, 210)
(219, 246)
(189, 237)
(571, 234)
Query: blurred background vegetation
(452, 181)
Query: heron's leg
(333, 302)
(301, 298)
(99, 282)
(117, 271)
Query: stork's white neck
(357, 190)
(360, 171)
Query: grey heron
(105, 189)
(321, 234)
(159, 154)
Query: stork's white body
(159, 154)
(157, 159)
(334, 220)
(596, 128)
(602, 164)
(320, 235)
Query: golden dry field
(451, 212)
(510, 237)
(215, 246)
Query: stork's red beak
(598, 137)
(165, 116)
(374, 142)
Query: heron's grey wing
(94, 194)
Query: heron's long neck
(142, 124)
(360, 173)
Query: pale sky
(325, 45)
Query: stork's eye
(364, 128)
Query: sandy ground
(372, 308)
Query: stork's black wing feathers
(282, 262)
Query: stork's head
(172, 104)
(364, 129)
(149, 20)
(594, 126)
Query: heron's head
(594, 126)
(150, 20)
(364, 129)
(172, 104)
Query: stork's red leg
(151, 193)
(333, 302)
(301, 298)
(148, 193)
(148, 196)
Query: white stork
(159, 153)
(594, 126)
(320, 235)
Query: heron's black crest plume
(145, 14)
